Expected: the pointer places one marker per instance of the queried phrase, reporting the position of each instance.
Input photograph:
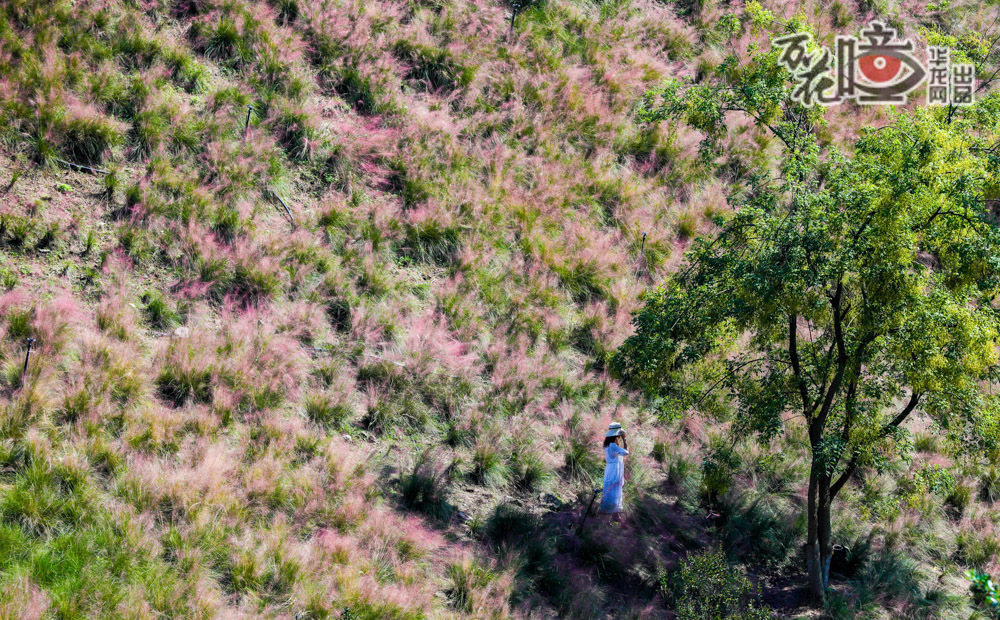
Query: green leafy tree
(846, 289)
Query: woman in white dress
(615, 448)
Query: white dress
(614, 478)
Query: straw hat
(614, 429)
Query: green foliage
(489, 467)
(178, 383)
(845, 298)
(423, 489)
(510, 525)
(580, 460)
(432, 242)
(706, 587)
(326, 413)
(157, 310)
(466, 579)
(989, 485)
(959, 499)
(433, 68)
(984, 592)
(529, 472)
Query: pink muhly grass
(260, 358)
(336, 547)
(54, 323)
(210, 472)
(261, 478)
(25, 600)
(303, 320)
(407, 595)
(431, 344)
(344, 463)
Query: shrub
(433, 68)
(431, 242)
(136, 244)
(958, 499)
(186, 71)
(984, 592)
(19, 324)
(598, 552)
(250, 284)
(718, 471)
(362, 92)
(760, 529)
(925, 442)
(659, 452)
(15, 231)
(110, 184)
(581, 460)
(8, 279)
(887, 578)
(687, 226)
(583, 281)
(296, 132)
(974, 550)
(706, 586)
(685, 476)
(338, 311)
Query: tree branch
(852, 465)
(793, 353)
(816, 429)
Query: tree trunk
(819, 547)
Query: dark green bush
(157, 310)
(958, 499)
(529, 472)
(989, 486)
(431, 242)
(466, 579)
(362, 92)
(509, 524)
(582, 460)
(761, 531)
(433, 68)
(329, 415)
(177, 384)
(86, 140)
(423, 489)
(489, 467)
(706, 587)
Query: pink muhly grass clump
(24, 600)
(335, 547)
(517, 367)
(431, 345)
(210, 471)
(303, 320)
(261, 359)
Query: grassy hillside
(322, 327)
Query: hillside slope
(323, 293)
